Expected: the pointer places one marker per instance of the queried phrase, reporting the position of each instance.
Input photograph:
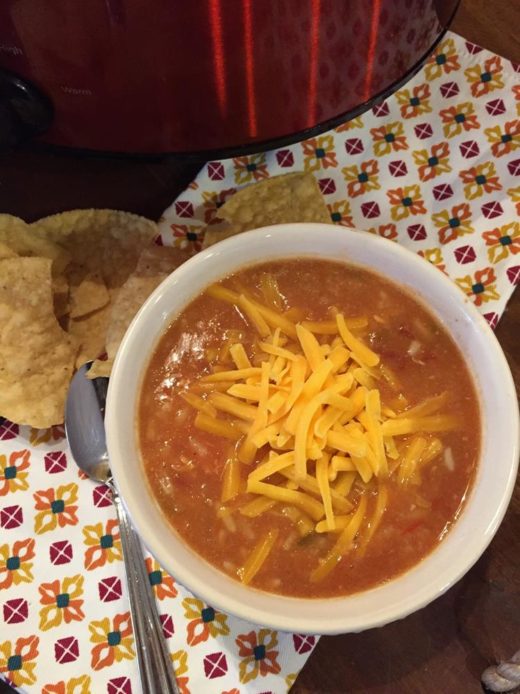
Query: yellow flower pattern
(290, 679)
(350, 125)
(504, 141)
(103, 544)
(362, 178)
(56, 508)
(62, 602)
(76, 685)
(180, 667)
(405, 202)
(480, 179)
(204, 621)
(514, 194)
(434, 257)
(443, 61)
(486, 77)
(258, 654)
(480, 287)
(414, 102)
(502, 241)
(459, 119)
(39, 436)
(15, 567)
(319, 153)
(113, 641)
(388, 138)
(14, 472)
(340, 213)
(432, 163)
(250, 168)
(16, 660)
(453, 223)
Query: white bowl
(494, 481)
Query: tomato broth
(403, 508)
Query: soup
(308, 427)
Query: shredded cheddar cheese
(231, 484)
(306, 401)
(257, 557)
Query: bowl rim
(251, 609)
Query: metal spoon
(84, 415)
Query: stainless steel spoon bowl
(84, 424)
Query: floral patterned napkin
(435, 167)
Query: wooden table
(444, 647)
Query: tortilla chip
(132, 296)
(161, 259)
(154, 265)
(90, 332)
(60, 291)
(294, 197)
(104, 246)
(19, 237)
(218, 232)
(36, 355)
(100, 369)
(107, 242)
(6, 252)
(89, 296)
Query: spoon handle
(155, 664)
